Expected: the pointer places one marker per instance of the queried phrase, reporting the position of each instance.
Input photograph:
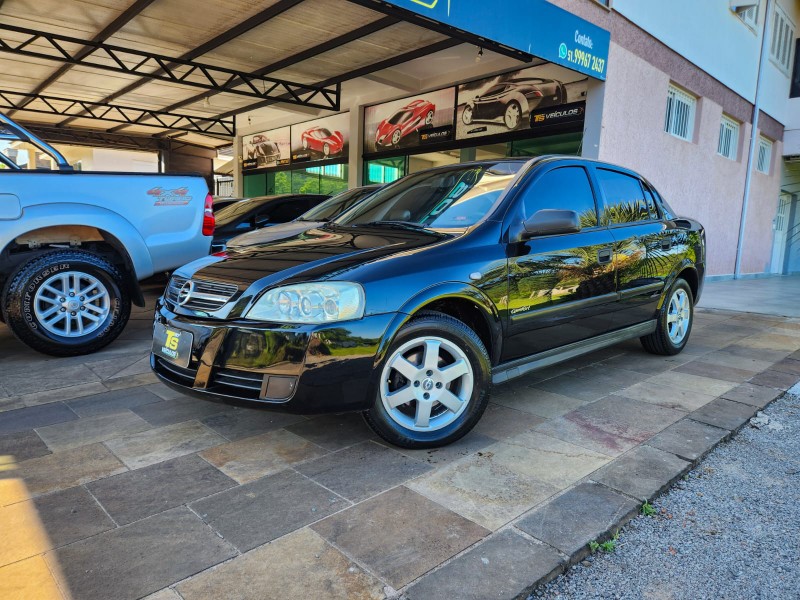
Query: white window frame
(781, 46)
(728, 144)
(680, 113)
(764, 157)
(747, 13)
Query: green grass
(648, 510)
(607, 546)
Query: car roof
(277, 197)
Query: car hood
(321, 253)
(273, 233)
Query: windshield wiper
(410, 224)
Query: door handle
(604, 255)
(667, 243)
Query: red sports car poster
(321, 139)
(409, 122)
(504, 103)
(266, 149)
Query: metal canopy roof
(164, 68)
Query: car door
(561, 288)
(644, 243)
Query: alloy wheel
(72, 304)
(466, 116)
(426, 384)
(429, 118)
(396, 137)
(679, 316)
(512, 116)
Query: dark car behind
(317, 216)
(261, 211)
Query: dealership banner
(506, 103)
(534, 27)
(410, 122)
(321, 139)
(266, 149)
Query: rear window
(624, 198)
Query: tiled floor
(113, 486)
(775, 295)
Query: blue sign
(532, 26)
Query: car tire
(326, 150)
(305, 144)
(467, 115)
(512, 116)
(429, 118)
(396, 137)
(561, 95)
(675, 319)
(31, 303)
(456, 400)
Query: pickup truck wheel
(66, 303)
(674, 321)
(434, 384)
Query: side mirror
(551, 222)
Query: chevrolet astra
(409, 306)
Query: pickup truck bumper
(303, 369)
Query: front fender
(39, 216)
(443, 291)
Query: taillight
(208, 216)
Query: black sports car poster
(266, 149)
(410, 122)
(321, 139)
(507, 102)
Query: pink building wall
(692, 177)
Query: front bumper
(313, 368)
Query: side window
(565, 188)
(652, 207)
(625, 200)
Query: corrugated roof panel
(398, 39)
(174, 27)
(302, 27)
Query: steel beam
(124, 17)
(85, 109)
(339, 79)
(108, 57)
(101, 139)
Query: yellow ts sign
(172, 340)
(426, 3)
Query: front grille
(205, 296)
(174, 373)
(229, 382)
(242, 384)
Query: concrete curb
(580, 554)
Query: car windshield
(400, 116)
(451, 198)
(335, 206)
(323, 133)
(495, 89)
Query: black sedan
(513, 100)
(261, 211)
(410, 305)
(317, 216)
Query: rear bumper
(303, 369)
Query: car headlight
(318, 302)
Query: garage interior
(140, 76)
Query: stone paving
(114, 486)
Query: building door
(781, 238)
